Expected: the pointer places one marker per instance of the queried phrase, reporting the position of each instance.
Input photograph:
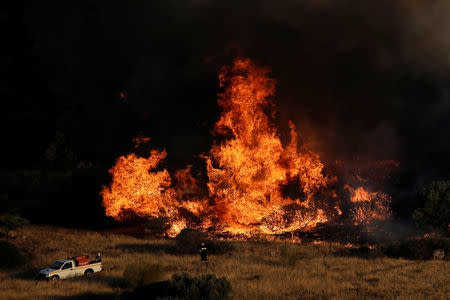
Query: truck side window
(68, 265)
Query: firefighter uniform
(203, 257)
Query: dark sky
(359, 78)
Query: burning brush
(248, 175)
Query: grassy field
(256, 270)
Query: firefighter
(203, 258)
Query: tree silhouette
(436, 212)
(59, 154)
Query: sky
(358, 78)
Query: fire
(136, 187)
(360, 195)
(369, 206)
(248, 173)
(140, 139)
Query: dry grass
(265, 270)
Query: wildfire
(136, 188)
(369, 206)
(248, 173)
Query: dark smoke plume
(361, 79)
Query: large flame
(249, 171)
(135, 187)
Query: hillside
(256, 270)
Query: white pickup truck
(71, 267)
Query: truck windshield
(57, 265)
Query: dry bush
(207, 287)
(10, 256)
(139, 274)
(183, 286)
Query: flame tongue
(247, 172)
(252, 165)
(135, 187)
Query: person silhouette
(203, 258)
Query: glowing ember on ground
(248, 172)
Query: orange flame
(247, 171)
(251, 167)
(135, 187)
(369, 206)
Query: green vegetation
(436, 211)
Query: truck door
(67, 270)
(80, 270)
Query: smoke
(358, 78)
(415, 34)
(427, 35)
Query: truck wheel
(88, 272)
(54, 278)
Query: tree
(436, 210)
(59, 154)
(9, 222)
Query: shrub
(206, 287)
(436, 212)
(10, 222)
(10, 256)
(142, 274)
